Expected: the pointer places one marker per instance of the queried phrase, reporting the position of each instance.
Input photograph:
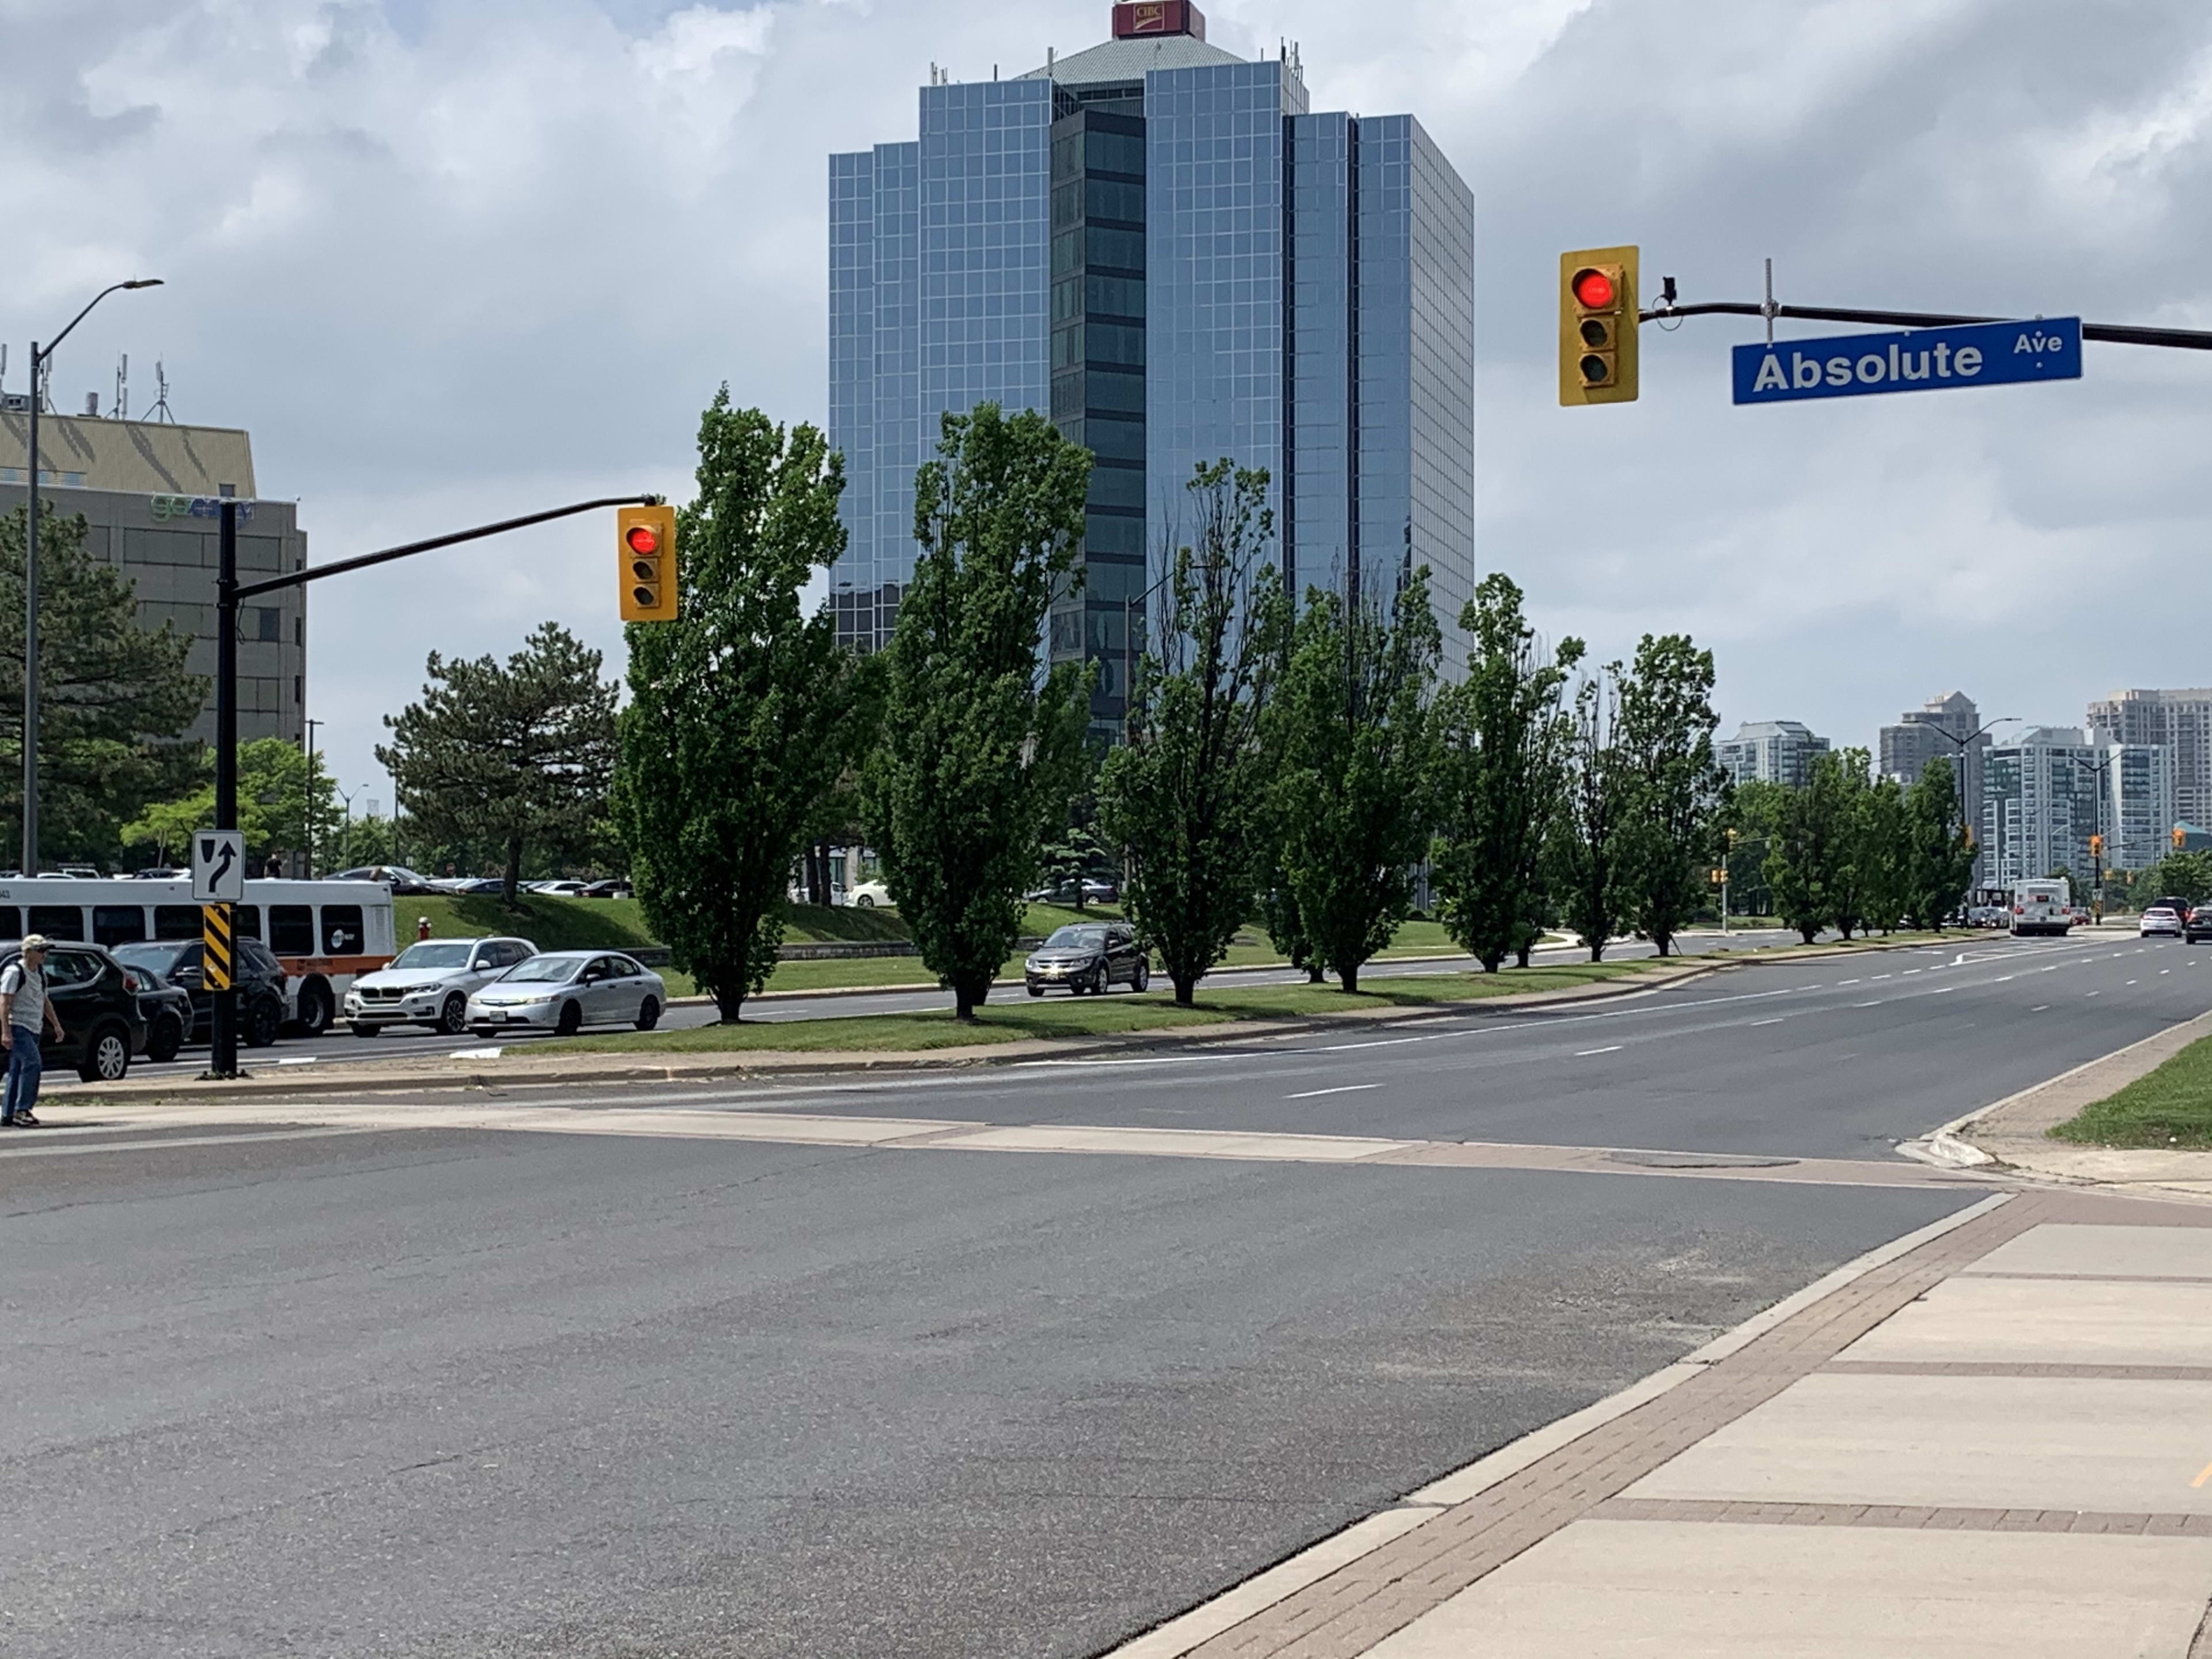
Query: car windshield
(1076, 939)
(436, 954)
(161, 958)
(547, 970)
(2160, 910)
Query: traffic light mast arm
(294, 579)
(2185, 339)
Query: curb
(1188, 1631)
(386, 1079)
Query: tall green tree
(1811, 864)
(1182, 800)
(745, 711)
(981, 748)
(1754, 817)
(1351, 746)
(1502, 746)
(1939, 856)
(1675, 795)
(509, 755)
(1855, 857)
(2183, 875)
(1587, 849)
(115, 699)
(1887, 862)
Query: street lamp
(308, 829)
(31, 585)
(2098, 768)
(1962, 744)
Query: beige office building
(2179, 720)
(149, 494)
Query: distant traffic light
(645, 546)
(1597, 325)
(2179, 836)
(2096, 847)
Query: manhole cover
(1700, 1160)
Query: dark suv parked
(101, 1026)
(260, 979)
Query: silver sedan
(564, 991)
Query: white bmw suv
(429, 983)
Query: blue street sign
(1914, 360)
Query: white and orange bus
(323, 932)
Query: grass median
(1009, 1019)
(2169, 1109)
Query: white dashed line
(1345, 1089)
(1610, 1048)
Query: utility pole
(222, 1059)
(308, 829)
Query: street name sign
(218, 866)
(1911, 359)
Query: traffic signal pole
(230, 594)
(2186, 339)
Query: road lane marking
(1776, 1020)
(1943, 991)
(2039, 1007)
(1876, 1003)
(2096, 993)
(2132, 982)
(1610, 1048)
(1842, 982)
(1345, 1089)
(1911, 971)
(2202, 1475)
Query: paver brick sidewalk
(1998, 1442)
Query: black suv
(1087, 956)
(102, 1026)
(259, 978)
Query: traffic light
(2179, 836)
(2096, 847)
(1719, 877)
(1597, 325)
(645, 542)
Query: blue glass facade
(1159, 245)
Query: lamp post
(1961, 745)
(2098, 768)
(308, 829)
(39, 359)
(1129, 605)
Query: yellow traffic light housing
(645, 544)
(1597, 325)
(2180, 836)
(2096, 847)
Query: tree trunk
(1491, 960)
(1810, 933)
(1662, 940)
(1186, 990)
(1521, 957)
(1315, 974)
(512, 878)
(968, 995)
(729, 1005)
(1348, 978)
(1597, 951)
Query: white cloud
(452, 259)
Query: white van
(2042, 907)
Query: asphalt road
(402, 1043)
(475, 1393)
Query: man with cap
(24, 1012)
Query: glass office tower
(1155, 242)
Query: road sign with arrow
(218, 866)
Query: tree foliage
(281, 802)
(1502, 742)
(1182, 800)
(981, 751)
(745, 713)
(509, 756)
(1351, 748)
(1939, 859)
(1587, 848)
(1674, 794)
(114, 698)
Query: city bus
(323, 932)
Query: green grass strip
(2170, 1108)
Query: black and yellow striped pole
(215, 949)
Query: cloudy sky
(453, 260)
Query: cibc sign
(1913, 359)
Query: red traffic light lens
(642, 540)
(1593, 289)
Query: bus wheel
(316, 1011)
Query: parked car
(429, 984)
(869, 896)
(101, 1025)
(396, 876)
(563, 889)
(613, 887)
(2161, 919)
(564, 991)
(1088, 957)
(166, 1008)
(256, 973)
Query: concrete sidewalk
(1993, 1438)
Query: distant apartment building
(2180, 721)
(2040, 805)
(2139, 804)
(149, 494)
(1769, 751)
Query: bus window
(58, 920)
(118, 924)
(342, 930)
(11, 921)
(181, 921)
(292, 929)
(248, 922)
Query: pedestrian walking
(25, 1012)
